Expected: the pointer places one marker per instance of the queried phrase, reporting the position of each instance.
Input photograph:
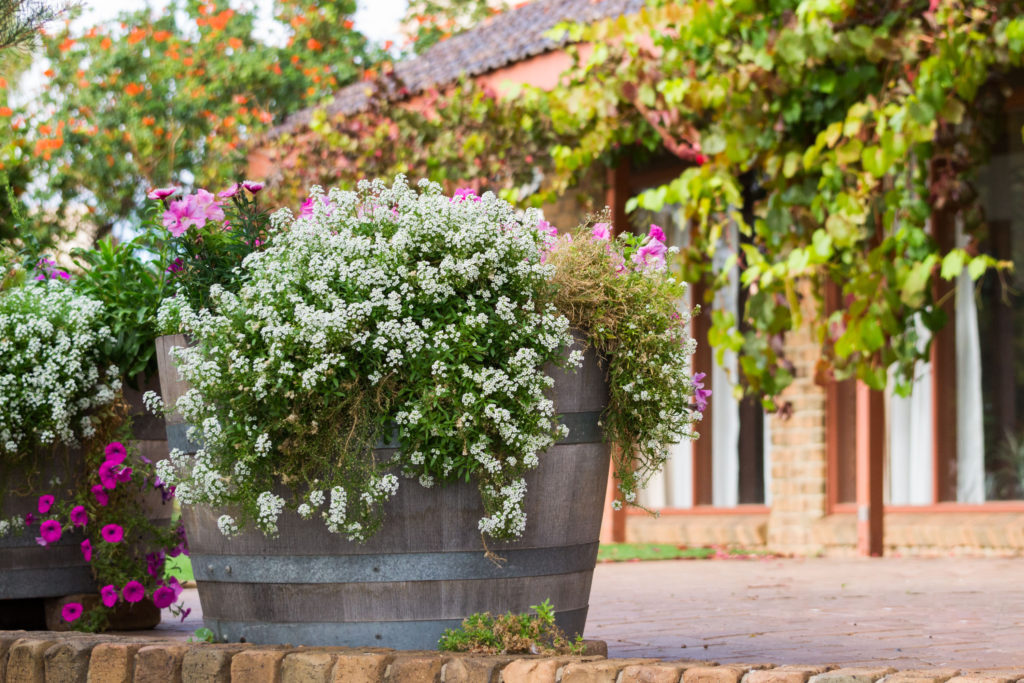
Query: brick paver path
(901, 612)
(907, 613)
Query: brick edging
(40, 656)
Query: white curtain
(725, 417)
(911, 456)
(970, 437)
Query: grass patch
(179, 567)
(640, 552)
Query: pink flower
(100, 494)
(108, 475)
(185, 614)
(125, 475)
(651, 256)
(656, 233)
(115, 451)
(307, 206)
(86, 547)
(176, 266)
(45, 503)
(163, 597)
(228, 193)
(545, 228)
(181, 215)
(162, 193)
(50, 270)
(50, 531)
(601, 232)
(112, 533)
(464, 193)
(700, 394)
(29, 519)
(175, 586)
(71, 611)
(154, 563)
(133, 591)
(108, 594)
(208, 205)
(79, 517)
(252, 186)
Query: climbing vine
(827, 132)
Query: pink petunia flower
(112, 533)
(154, 563)
(700, 394)
(656, 233)
(463, 194)
(108, 475)
(252, 186)
(162, 193)
(71, 611)
(307, 206)
(101, 496)
(229, 193)
(545, 228)
(79, 517)
(30, 519)
(601, 232)
(86, 547)
(108, 594)
(208, 204)
(133, 591)
(115, 451)
(45, 503)
(181, 215)
(651, 256)
(50, 531)
(163, 597)
(177, 587)
(124, 475)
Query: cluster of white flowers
(51, 379)
(434, 299)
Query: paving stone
(416, 668)
(113, 662)
(980, 678)
(661, 672)
(160, 663)
(361, 667)
(474, 668)
(531, 671)
(853, 675)
(713, 674)
(258, 665)
(922, 676)
(603, 671)
(25, 660)
(784, 674)
(68, 660)
(210, 663)
(7, 638)
(313, 666)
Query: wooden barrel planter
(29, 572)
(425, 570)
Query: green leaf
(953, 264)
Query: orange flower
(91, 33)
(295, 59)
(136, 35)
(49, 73)
(188, 61)
(369, 75)
(218, 22)
(277, 69)
(133, 89)
(148, 120)
(67, 44)
(45, 129)
(243, 111)
(3, 82)
(265, 117)
(105, 43)
(348, 24)
(110, 160)
(235, 43)
(297, 21)
(161, 36)
(314, 44)
(6, 111)
(158, 131)
(388, 44)
(310, 91)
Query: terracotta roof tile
(501, 40)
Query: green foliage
(20, 21)
(511, 634)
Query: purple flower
(30, 519)
(133, 591)
(601, 232)
(115, 451)
(112, 533)
(252, 186)
(154, 563)
(175, 586)
(175, 266)
(162, 193)
(108, 594)
(45, 503)
(228, 193)
(186, 613)
(50, 270)
(125, 475)
(700, 394)
(163, 597)
(71, 611)
(79, 517)
(656, 233)
(100, 494)
(108, 476)
(86, 547)
(50, 531)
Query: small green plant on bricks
(510, 633)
